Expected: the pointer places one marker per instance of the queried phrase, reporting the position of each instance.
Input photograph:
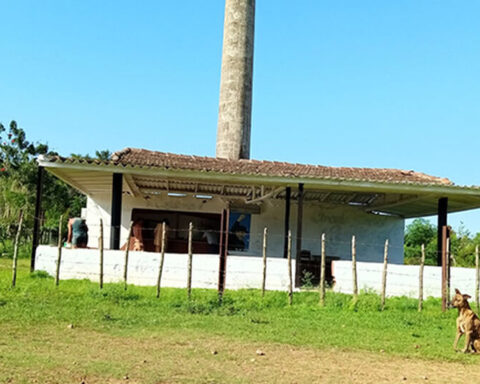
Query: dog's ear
(466, 297)
(457, 291)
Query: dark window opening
(205, 236)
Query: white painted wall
(402, 280)
(339, 222)
(242, 272)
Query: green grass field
(79, 330)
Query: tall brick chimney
(235, 107)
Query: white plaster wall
(338, 222)
(242, 272)
(402, 280)
(247, 272)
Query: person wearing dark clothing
(236, 237)
(77, 232)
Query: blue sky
(342, 83)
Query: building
(213, 193)
(230, 199)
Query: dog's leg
(476, 345)
(457, 338)
(468, 341)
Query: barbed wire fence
(195, 238)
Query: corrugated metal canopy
(406, 200)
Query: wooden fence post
(477, 278)
(384, 277)
(420, 280)
(127, 250)
(59, 257)
(444, 268)
(322, 272)
(354, 269)
(264, 276)
(15, 249)
(162, 258)
(447, 284)
(289, 259)
(100, 247)
(190, 257)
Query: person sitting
(77, 232)
(136, 240)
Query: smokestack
(235, 108)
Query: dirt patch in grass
(51, 355)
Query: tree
(18, 178)
(419, 232)
(103, 155)
(462, 247)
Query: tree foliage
(421, 231)
(18, 180)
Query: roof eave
(309, 182)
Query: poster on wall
(239, 231)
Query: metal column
(116, 215)
(36, 219)
(288, 193)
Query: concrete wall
(402, 280)
(242, 272)
(339, 222)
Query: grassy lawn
(77, 332)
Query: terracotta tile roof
(145, 158)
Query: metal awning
(403, 199)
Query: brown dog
(468, 323)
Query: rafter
(258, 199)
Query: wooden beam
(36, 219)
(298, 271)
(222, 268)
(268, 195)
(444, 232)
(132, 186)
(288, 193)
(442, 222)
(325, 197)
(116, 211)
